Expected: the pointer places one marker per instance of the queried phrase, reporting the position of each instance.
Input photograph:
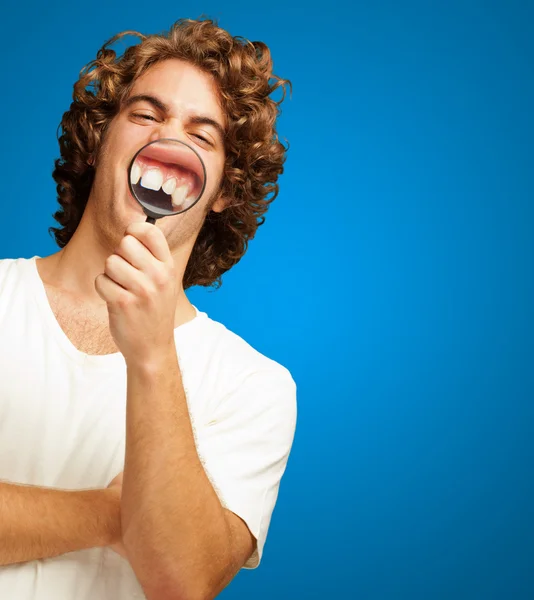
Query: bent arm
(37, 522)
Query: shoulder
(12, 270)
(7, 265)
(244, 375)
(237, 355)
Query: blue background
(394, 277)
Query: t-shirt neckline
(41, 299)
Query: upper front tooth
(169, 186)
(152, 179)
(179, 195)
(135, 173)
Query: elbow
(171, 590)
(162, 585)
(162, 576)
(172, 575)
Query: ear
(220, 204)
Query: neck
(74, 268)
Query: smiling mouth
(178, 186)
(169, 177)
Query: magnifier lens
(167, 177)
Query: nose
(171, 128)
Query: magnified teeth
(169, 186)
(179, 195)
(152, 179)
(135, 173)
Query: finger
(125, 274)
(110, 291)
(136, 253)
(140, 257)
(152, 237)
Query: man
(110, 374)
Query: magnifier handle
(151, 220)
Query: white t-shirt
(62, 425)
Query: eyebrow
(201, 120)
(160, 105)
(156, 102)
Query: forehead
(182, 86)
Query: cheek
(122, 140)
(107, 152)
(214, 170)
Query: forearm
(37, 522)
(174, 527)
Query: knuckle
(144, 292)
(124, 300)
(159, 280)
(161, 277)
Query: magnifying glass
(167, 177)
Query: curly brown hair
(243, 73)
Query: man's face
(173, 99)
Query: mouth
(174, 175)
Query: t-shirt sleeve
(245, 448)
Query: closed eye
(202, 139)
(144, 116)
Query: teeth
(152, 179)
(135, 173)
(169, 186)
(179, 195)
